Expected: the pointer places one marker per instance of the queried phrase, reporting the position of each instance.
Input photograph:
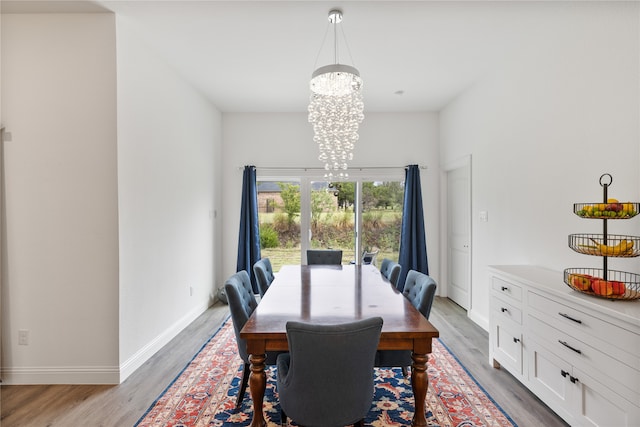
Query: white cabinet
(506, 326)
(579, 354)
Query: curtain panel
(413, 245)
(249, 235)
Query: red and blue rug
(205, 391)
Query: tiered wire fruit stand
(603, 282)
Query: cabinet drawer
(608, 370)
(507, 289)
(586, 326)
(505, 310)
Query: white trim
(146, 352)
(61, 375)
(99, 374)
(370, 174)
(464, 161)
(457, 163)
(478, 319)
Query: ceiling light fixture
(336, 109)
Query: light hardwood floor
(122, 405)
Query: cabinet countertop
(552, 282)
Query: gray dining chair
(391, 270)
(264, 275)
(324, 257)
(242, 303)
(326, 379)
(420, 289)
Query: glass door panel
(279, 218)
(381, 208)
(332, 218)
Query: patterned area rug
(204, 393)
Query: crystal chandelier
(336, 110)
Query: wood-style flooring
(122, 405)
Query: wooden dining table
(323, 294)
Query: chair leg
(283, 417)
(243, 385)
(404, 371)
(359, 424)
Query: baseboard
(146, 352)
(98, 374)
(61, 375)
(478, 319)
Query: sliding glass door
(361, 216)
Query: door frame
(464, 161)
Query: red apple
(618, 288)
(581, 281)
(602, 287)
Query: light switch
(484, 216)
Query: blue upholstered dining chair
(391, 270)
(242, 303)
(324, 257)
(420, 289)
(326, 379)
(264, 275)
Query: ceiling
(258, 56)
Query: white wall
(542, 129)
(112, 183)
(286, 140)
(168, 146)
(61, 277)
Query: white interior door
(459, 235)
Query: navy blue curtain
(249, 236)
(413, 244)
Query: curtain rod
(322, 169)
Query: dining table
(324, 294)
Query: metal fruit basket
(610, 210)
(614, 245)
(617, 285)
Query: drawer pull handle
(564, 373)
(503, 309)
(569, 347)
(570, 318)
(504, 288)
(573, 379)
(516, 340)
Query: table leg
(419, 384)
(257, 386)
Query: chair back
(324, 257)
(391, 270)
(264, 275)
(370, 257)
(326, 380)
(242, 303)
(420, 289)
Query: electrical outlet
(190, 291)
(23, 337)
